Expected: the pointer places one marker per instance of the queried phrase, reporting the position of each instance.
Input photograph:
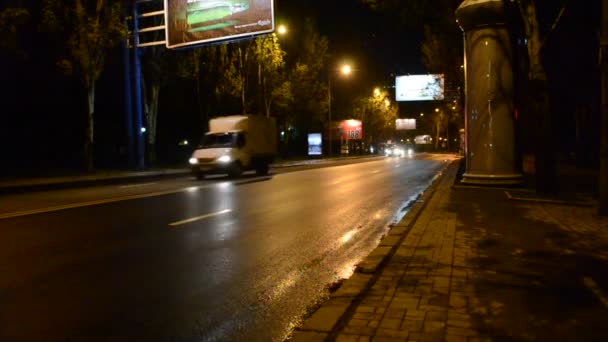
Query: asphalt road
(187, 260)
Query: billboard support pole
(128, 90)
(138, 98)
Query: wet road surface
(186, 260)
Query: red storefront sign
(344, 130)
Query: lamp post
(346, 70)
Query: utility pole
(603, 181)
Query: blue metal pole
(128, 101)
(138, 105)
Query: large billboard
(190, 22)
(420, 88)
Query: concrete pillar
(490, 96)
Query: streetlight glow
(377, 91)
(346, 69)
(282, 29)
(436, 110)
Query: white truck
(235, 144)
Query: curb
(336, 311)
(101, 179)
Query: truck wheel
(235, 170)
(262, 169)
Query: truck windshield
(219, 140)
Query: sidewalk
(477, 264)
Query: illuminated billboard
(405, 124)
(315, 144)
(190, 22)
(351, 130)
(420, 88)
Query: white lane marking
(595, 289)
(109, 200)
(198, 218)
(136, 185)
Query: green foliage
(276, 92)
(377, 115)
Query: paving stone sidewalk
(472, 264)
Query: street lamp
(282, 29)
(346, 70)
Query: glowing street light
(282, 29)
(421, 114)
(346, 69)
(436, 110)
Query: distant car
(397, 150)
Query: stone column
(490, 96)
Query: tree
(273, 87)
(377, 115)
(153, 76)
(87, 29)
(308, 82)
(13, 16)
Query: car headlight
(399, 152)
(193, 161)
(410, 151)
(224, 159)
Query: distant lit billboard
(351, 130)
(190, 22)
(420, 88)
(405, 124)
(315, 144)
